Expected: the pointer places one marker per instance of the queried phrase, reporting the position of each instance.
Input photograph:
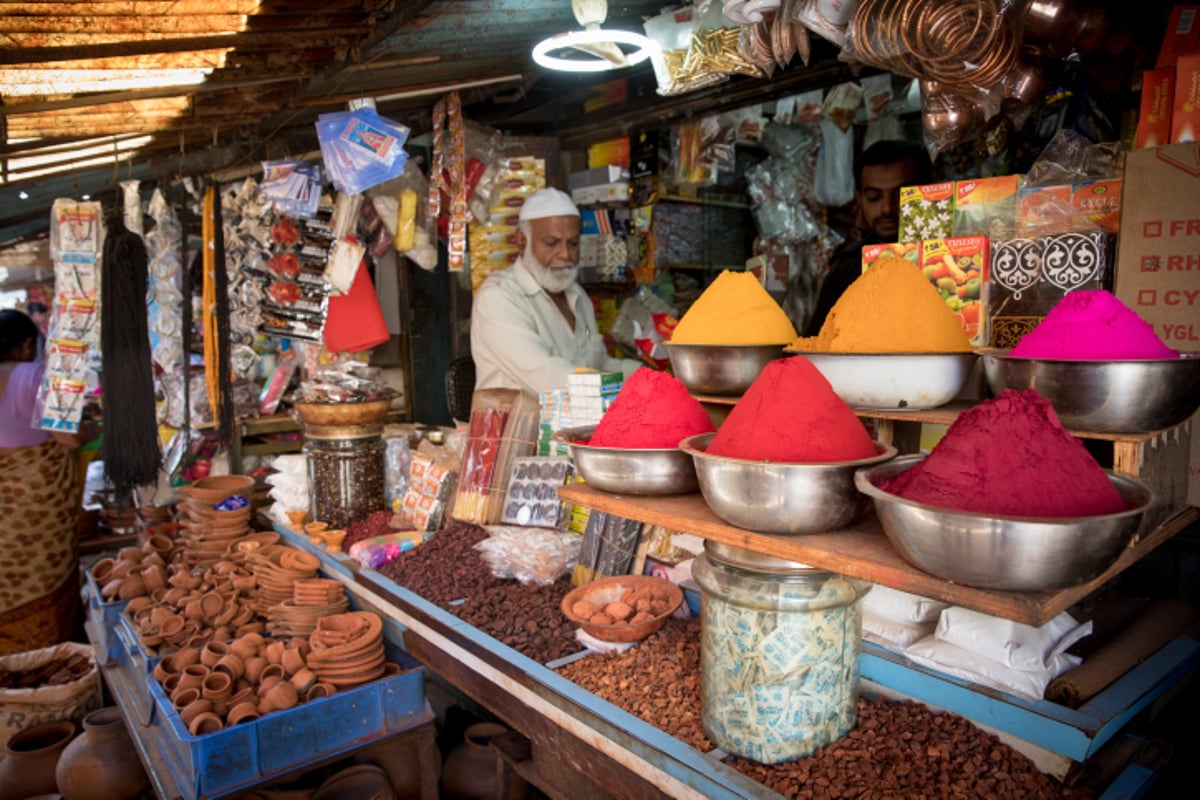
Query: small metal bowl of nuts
(622, 608)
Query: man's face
(552, 251)
(879, 196)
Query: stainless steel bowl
(1003, 552)
(720, 369)
(779, 498)
(894, 380)
(656, 471)
(1104, 396)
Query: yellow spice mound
(734, 309)
(891, 308)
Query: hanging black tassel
(224, 408)
(131, 445)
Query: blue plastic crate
(291, 738)
(104, 618)
(202, 766)
(137, 664)
(233, 758)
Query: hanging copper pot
(1050, 21)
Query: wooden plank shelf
(865, 552)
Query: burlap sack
(24, 708)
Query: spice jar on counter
(345, 472)
(778, 653)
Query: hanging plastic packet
(361, 149)
(293, 186)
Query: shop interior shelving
(863, 551)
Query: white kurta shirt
(520, 340)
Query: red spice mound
(790, 414)
(653, 410)
(1010, 455)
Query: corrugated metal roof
(99, 90)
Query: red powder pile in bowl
(653, 410)
(1010, 456)
(790, 414)
(1092, 325)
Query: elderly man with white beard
(532, 324)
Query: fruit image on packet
(872, 253)
(959, 268)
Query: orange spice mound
(891, 308)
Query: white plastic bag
(893, 634)
(901, 606)
(953, 660)
(1012, 644)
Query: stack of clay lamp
(209, 533)
(173, 605)
(347, 649)
(276, 569)
(223, 684)
(312, 599)
(320, 534)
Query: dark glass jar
(345, 472)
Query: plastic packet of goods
(530, 555)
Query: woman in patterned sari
(39, 505)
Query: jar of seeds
(778, 653)
(345, 472)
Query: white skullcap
(547, 203)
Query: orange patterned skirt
(39, 553)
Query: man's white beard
(552, 280)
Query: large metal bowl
(720, 369)
(1003, 552)
(1104, 396)
(779, 498)
(894, 380)
(653, 471)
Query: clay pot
(292, 661)
(318, 690)
(181, 698)
(470, 768)
(280, 697)
(303, 679)
(171, 627)
(133, 554)
(213, 652)
(102, 571)
(242, 712)
(184, 657)
(243, 649)
(31, 756)
(201, 705)
(192, 676)
(101, 764)
(217, 686)
(254, 667)
(399, 757)
(205, 723)
(170, 683)
(232, 666)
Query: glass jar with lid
(345, 472)
(778, 653)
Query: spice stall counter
(580, 741)
(864, 552)
(581, 745)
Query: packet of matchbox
(927, 212)
(958, 267)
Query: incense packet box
(909, 251)
(986, 206)
(958, 267)
(926, 212)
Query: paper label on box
(1154, 115)
(958, 267)
(1098, 203)
(1185, 116)
(926, 212)
(909, 251)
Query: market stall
(885, 557)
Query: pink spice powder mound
(1092, 325)
(1010, 456)
(791, 415)
(653, 410)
